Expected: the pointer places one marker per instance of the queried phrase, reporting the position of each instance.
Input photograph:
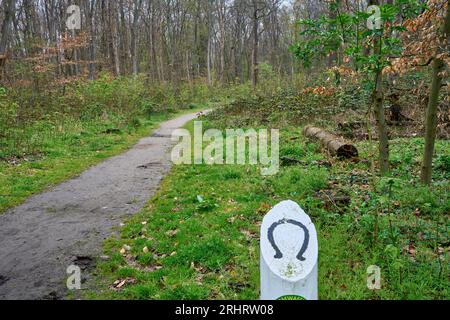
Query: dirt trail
(67, 225)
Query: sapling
(368, 49)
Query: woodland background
(70, 99)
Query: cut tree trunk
(336, 145)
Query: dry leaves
(264, 208)
(172, 233)
(121, 283)
(249, 234)
(424, 40)
(125, 249)
(320, 91)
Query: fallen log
(336, 145)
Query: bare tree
(9, 9)
(134, 34)
(177, 40)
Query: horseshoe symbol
(279, 254)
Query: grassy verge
(65, 156)
(199, 237)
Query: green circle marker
(291, 298)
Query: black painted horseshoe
(279, 254)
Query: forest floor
(199, 236)
(67, 225)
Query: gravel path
(67, 225)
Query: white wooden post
(289, 254)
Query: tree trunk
(383, 138)
(6, 26)
(76, 67)
(208, 50)
(90, 6)
(123, 38)
(378, 100)
(255, 44)
(431, 117)
(431, 122)
(134, 31)
(336, 145)
(116, 38)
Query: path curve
(68, 224)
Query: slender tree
(438, 74)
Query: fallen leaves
(172, 233)
(417, 212)
(411, 250)
(320, 91)
(264, 208)
(121, 283)
(133, 263)
(249, 234)
(231, 219)
(199, 268)
(125, 248)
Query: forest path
(68, 224)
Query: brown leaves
(424, 39)
(264, 208)
(410, 250)
(417, 212)
(172, 233)
(249, 234)
(343, 70)
(199, 268)
(125, 248)
(121, 283)
(320, 91)
(231, 219)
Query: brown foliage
(423, 41)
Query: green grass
(82, 145)
(202, 228)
